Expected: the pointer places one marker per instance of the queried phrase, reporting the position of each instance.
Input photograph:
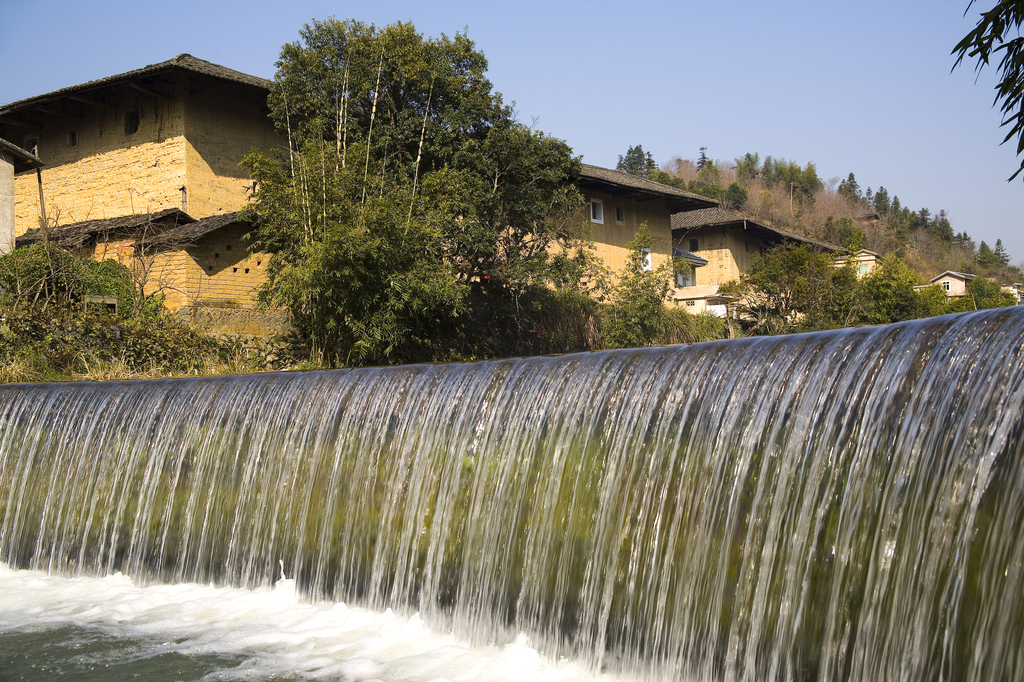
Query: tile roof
(76, 234)
(966, 276)
(613, 180)
(189, 232)
(712, 217)
(170, 226)
(183, 62)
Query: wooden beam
(46, 109)
(16, 122)
(209, 87)
(88, 100)
(150, 92)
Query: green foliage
(987, 258)
(411, 204)
(793, 289)
(735, 196)
(988, 294)
(802, 182)
(636, 162)
(850, 189)
(889, 292)
(998, 33)
(44, 275)
(636, 315)
(844, 233)
(748, 168)
(1001, 254)
(48, 334)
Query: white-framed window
(684, 279)
(597, 211)
(862, 269)
(646, 253)
(620, 215)
(945, 285)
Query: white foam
(272, 629)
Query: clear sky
(863, 87)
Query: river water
(846, 505)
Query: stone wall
(238, 323)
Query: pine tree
(636, 162)
(1001, 254)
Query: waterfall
(829, 506)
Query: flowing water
(844, 505)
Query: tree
(410, 204)
(881, 201)
(986, 258)
(988, 294)
(850, 189)
(703, 162)
(889, 292)
(636, 314)
(1001, 254)
(998, 31)
(636, 162)
(735, 196)
(795, 288)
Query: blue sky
(863, 87)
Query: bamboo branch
(373, 115)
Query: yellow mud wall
(611, 238)
(107, 172)
(222, 126)
(729, 252)
(222, 272)
(216, 271)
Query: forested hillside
(785, 194)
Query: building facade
(132, 147)
(728, 242)
(618, 203)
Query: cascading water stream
(833, 506)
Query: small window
(690, 304)
(945, 286)
(259, 262)
(131, 122)
(228, 247)
(620, 215)
(646, 253)
(693, 246)
(862, 269)
(216, 255)
(210, 268)
(684, 279)
(234, 269)
(597, 211)
(72, 138)
(247, 271)
(32, 145)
